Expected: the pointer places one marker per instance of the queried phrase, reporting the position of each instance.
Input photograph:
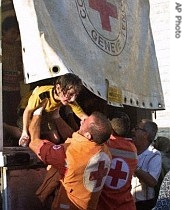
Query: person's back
(163, 200)
(87, 166)
(87, 160)
(163, 145)
(116, 194)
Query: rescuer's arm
(34, 129)
(45, 150)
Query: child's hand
(24, 140)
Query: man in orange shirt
(83, 161)
(116, 194)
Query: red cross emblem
(99, 174)
(106, 10)
(118, 174)
(96, 172)
(105, 23)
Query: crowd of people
(98, 167)
(92, 164)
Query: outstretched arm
(34, 129)
(63, 128)
(45, 150)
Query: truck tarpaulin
(108, 43)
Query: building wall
(160, 23)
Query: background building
(160, 23)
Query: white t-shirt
(151, 162)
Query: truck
(108, 44)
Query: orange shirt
(87, 167)
(116, 193)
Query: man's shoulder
(150, 154)
(121, 142)
(153, 151)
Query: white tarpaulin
(108, 43)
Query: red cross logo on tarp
(99, 174)
(106, 10)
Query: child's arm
(78, 110)
(26, 119)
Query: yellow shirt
(34, 100)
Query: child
(63, 93)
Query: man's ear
(87, 135)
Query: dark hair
(118, 127)
(100, 130)
(120, 123)
(119, 113)
(162, 143)
(10, 22)
(151, 128)
(68, 81)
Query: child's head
(10, 29)
(67, 87)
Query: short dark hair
(118, 126)
(151, 128)
(9, 22)
(100, 130)
(69, 80)
(162, 143)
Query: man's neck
(141, 150)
